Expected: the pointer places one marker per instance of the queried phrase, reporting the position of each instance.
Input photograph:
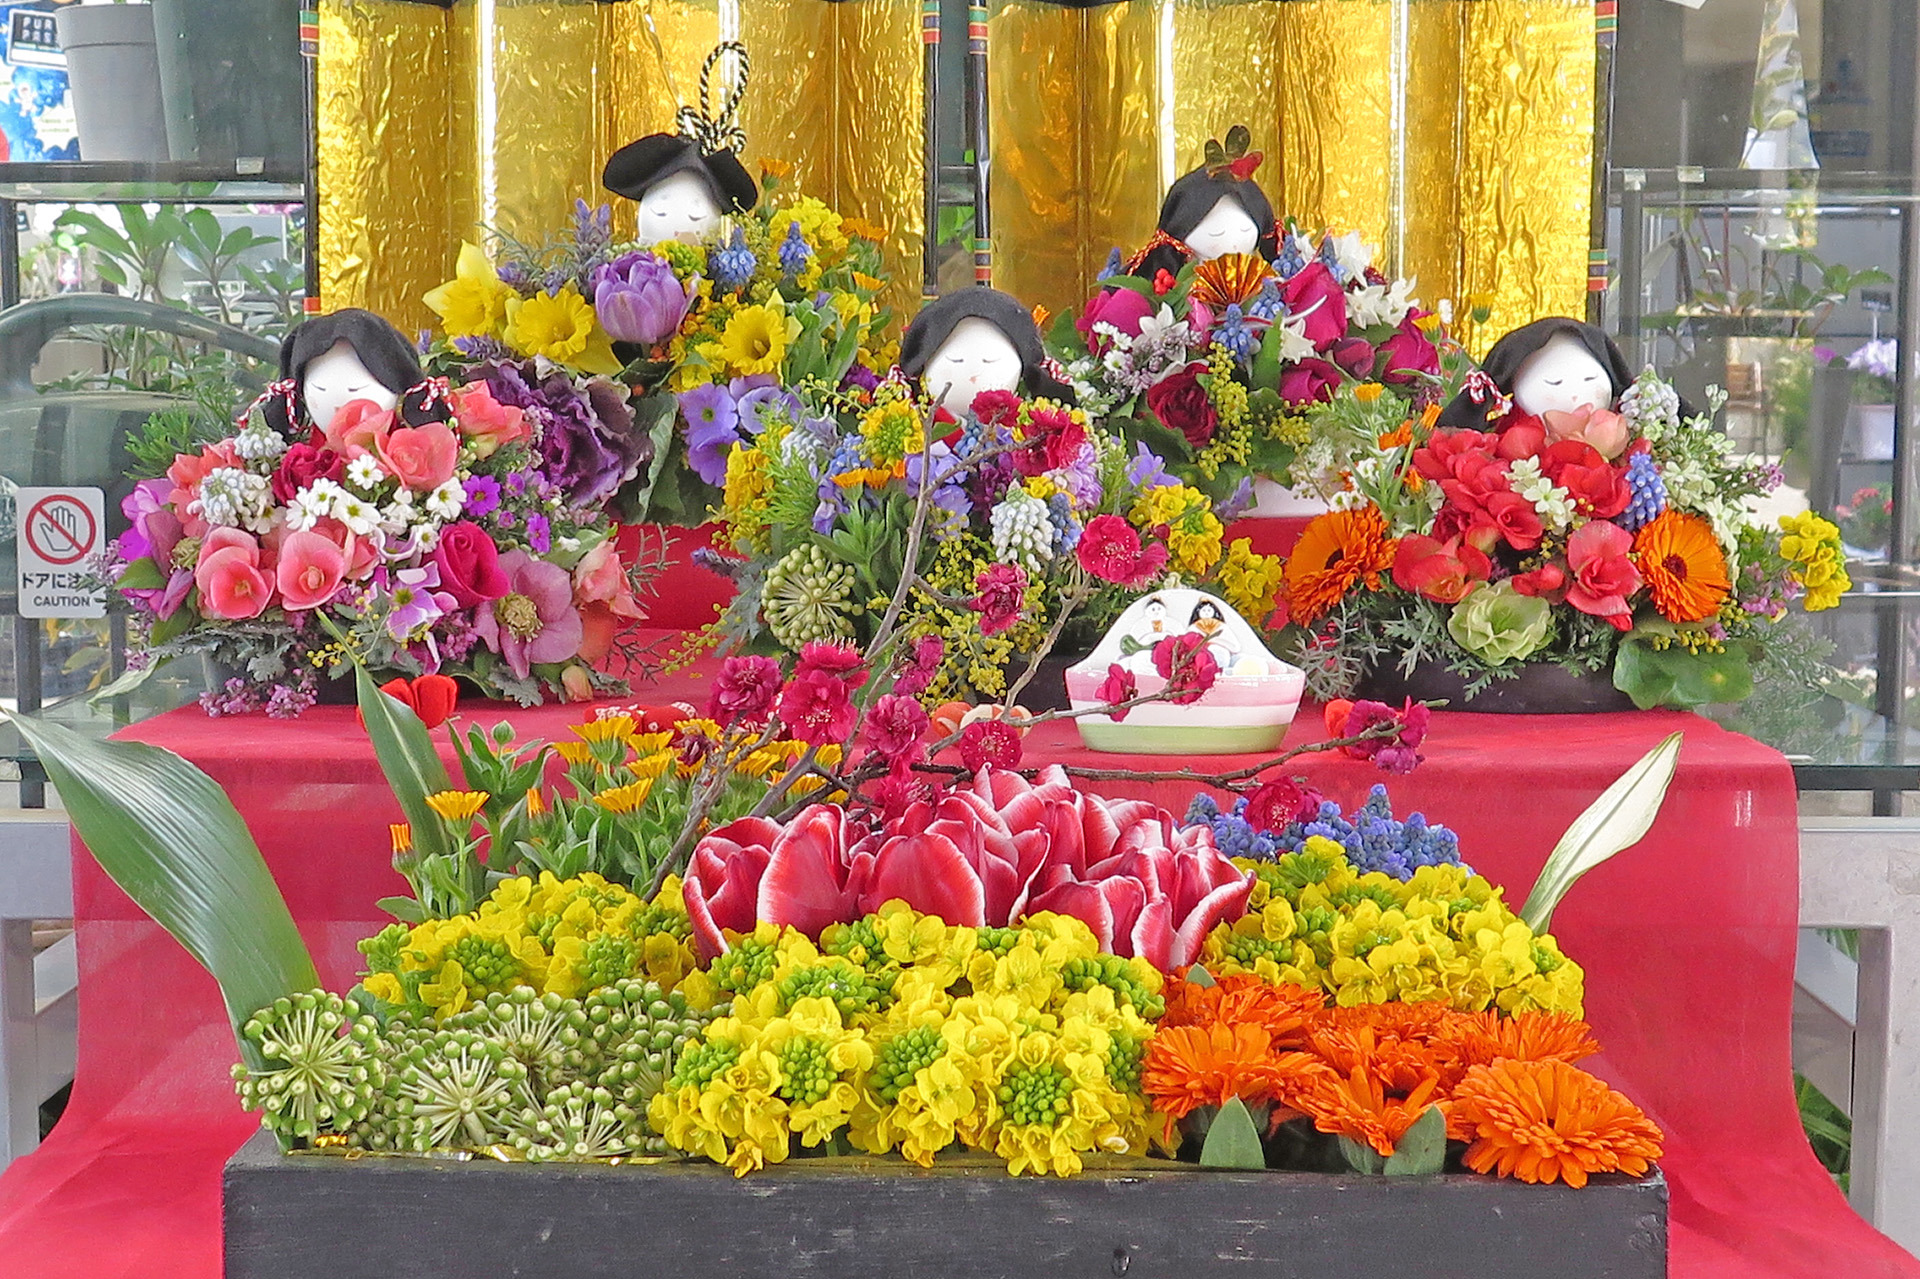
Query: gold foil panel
(384, 161)
(1428, 233)
(638, 99)
(1336, 69)
(1527, 80)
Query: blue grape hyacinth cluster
(1375, 839)
(1649, 493)
(1232, 833)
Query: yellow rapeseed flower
(458, 805)
(474, 302)
(562, 327)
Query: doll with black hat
(351, 354)
(1553, 365)
(977, 339)
(1216, 210)
(685, 182)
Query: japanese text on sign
(60, 533)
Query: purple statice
(1115, 264)
(1234, 333)
(1147, 470)
(1770, 476)
(456, 636)
(795, 252)
(732, 267)
(712, 429)
(1649, 493)
(483, 496)
(292, 699)
(235, 697)
(539, 534)
(1374, 839)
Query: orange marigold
(1284, 1011)
(1336, 552)
(1187, 1067)
(1546, 1121)
(1680, 559)
(1483, 1038)
(1359, 1104)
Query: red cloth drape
(1687, 941)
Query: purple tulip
(638, 299)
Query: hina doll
(686, 182)
(973, 340)
(351, 354)
(1216, 210)
(1555, 365)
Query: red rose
(1311, 382)
(1355, 355)
(1181, 404)
(303, 464)
(1516, 519)
(1603, 576)
(1596, 487)
(469, 565)
(1410, 356)
(1315, 296)
(1442, 571)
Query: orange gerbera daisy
(1546, 1121)
(1335, 552)
(1229, 279)
(1284, 1011)
(1358, 1103)
(1680, 559)
(1188, 1067)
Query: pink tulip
(311, 568)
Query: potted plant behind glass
(114, 72)
(1870, 419)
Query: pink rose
(312, 566)
(1314, 294)
(469, 564)
(232, 587)
(1607, 432)
(358, 428)
(1310, 382)
(420, 457)
(486, 421)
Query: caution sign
(60, 533)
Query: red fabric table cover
(1687, 941)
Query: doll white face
(977, 356)
(679, 207)
(336, 376)
(1562, 377)
(1227, 228)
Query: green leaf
(174, 843)
(170, 628)
(141, 575)
(1233, 1141)
(121, 687)
(1674, 676)
(404, 909)
(1199, 976)
(1422, 1149)
(1362, 1158)
(1616, 821)
(407, 757)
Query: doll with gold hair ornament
(687, 181)
(1212, 212)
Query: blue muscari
(733, 266)
(1372, 837)
(1234, 333)
(1114, 263)
(1290, 263)
(1332, 260)
(795, 252)
(1268, 305)
(1066, 529)
(1649, 493)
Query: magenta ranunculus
(534, 622)
(1310, 382)
(745, 689)
(638, 299)
(469, 564)
(1315, 295)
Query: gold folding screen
(1457, 134)
(500, 113)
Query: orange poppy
(1231, 279)
(1680, 559)
(1336, 551)
(1188, 1067)
(1546, 1121)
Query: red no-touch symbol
(60, 529)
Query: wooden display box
(329, 1217)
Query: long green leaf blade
(1616, 821)
(1233, 1141)
(406, 754)
(174, 843)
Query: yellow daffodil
(562, 327)
(755, 339)
(473, 303)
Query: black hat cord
(714, 132)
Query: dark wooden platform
(329, 1217)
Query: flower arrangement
(445, 540)
(1866, 518)
(1025, 526)
(1214, 368)
(1608, 540)
(653, 361)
